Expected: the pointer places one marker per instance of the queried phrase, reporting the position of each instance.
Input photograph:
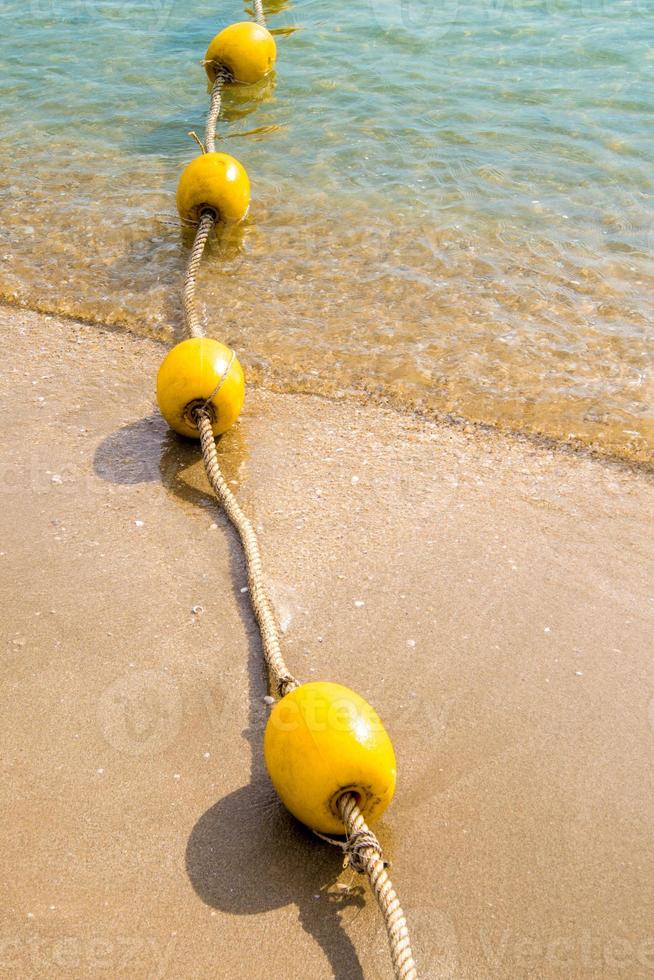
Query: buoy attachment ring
(214, 182)
(200, 373)
(323, 740)
(246, 50)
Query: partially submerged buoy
(215, 182)
(323, 740)
(246, 50)
(200, 373)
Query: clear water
(455, 212)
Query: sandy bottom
(494, 600)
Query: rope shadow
(246, 854)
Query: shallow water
(455, 211)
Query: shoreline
(384, 402)
(491, 598)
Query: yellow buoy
(321, 741)
(247, 50)
(195, 372)
(215, 181)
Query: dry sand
(494, 600)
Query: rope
(259, 15)
(284, 680)
(363, 850)
(214, 110)
(192, 323)
(365, 855)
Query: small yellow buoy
(215, 181)
(323, 740)
(195, 372)
(247, 50)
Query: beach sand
(492, 598)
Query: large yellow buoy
(247, 50)
(195, 372)
(323, 740)
(215, 181)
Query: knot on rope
(287, 684)
(355, 847)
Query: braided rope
(192, 323)
(214, 111)
(284, 680)
(365, 855)
(362, 847)
(259, 15)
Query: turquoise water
(453, 212)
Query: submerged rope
(258, 13)
(192, 323)
(214, 111)
(363, 850)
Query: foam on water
(454, 212)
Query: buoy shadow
(131, 454)
(246, 854)
(146, 451)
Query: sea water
(452, 203)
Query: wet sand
(493, 599)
